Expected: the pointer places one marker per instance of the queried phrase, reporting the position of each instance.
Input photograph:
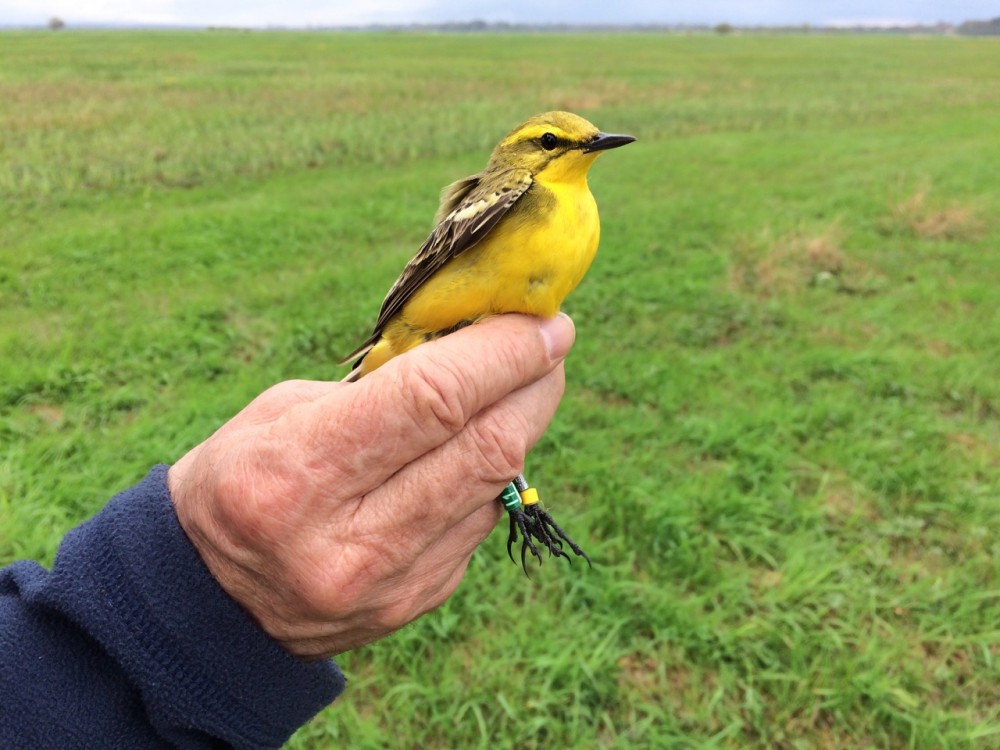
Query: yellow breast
(529, 263)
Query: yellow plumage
(517, 237)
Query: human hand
(336, 513)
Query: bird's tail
(353, 376)
(359, 353)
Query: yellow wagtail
(517, 237)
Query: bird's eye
(549, 141)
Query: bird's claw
(535, 524)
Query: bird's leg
(553, 533)
(520, 520)
(534, 524)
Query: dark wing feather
(476, 204)
(453, 195)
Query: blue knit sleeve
(130, 642)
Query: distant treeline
(970, 28)
(980, 28)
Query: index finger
(367, 432)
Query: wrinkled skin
(336, 513)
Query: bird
(517, 237)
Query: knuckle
(357, 567)
(394, 616)
(322, 591)
(406, 606)
(374, 555)
(309, 601)
(514, 354)
(500, 447)
(434, 395)
(283, 389)
(276, 399)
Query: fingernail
(559, 334)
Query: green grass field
(780, 440)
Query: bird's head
(556, 146)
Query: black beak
(604, 141)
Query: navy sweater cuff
(131, 579)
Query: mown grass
(781, 428)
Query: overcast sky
(260, 13)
